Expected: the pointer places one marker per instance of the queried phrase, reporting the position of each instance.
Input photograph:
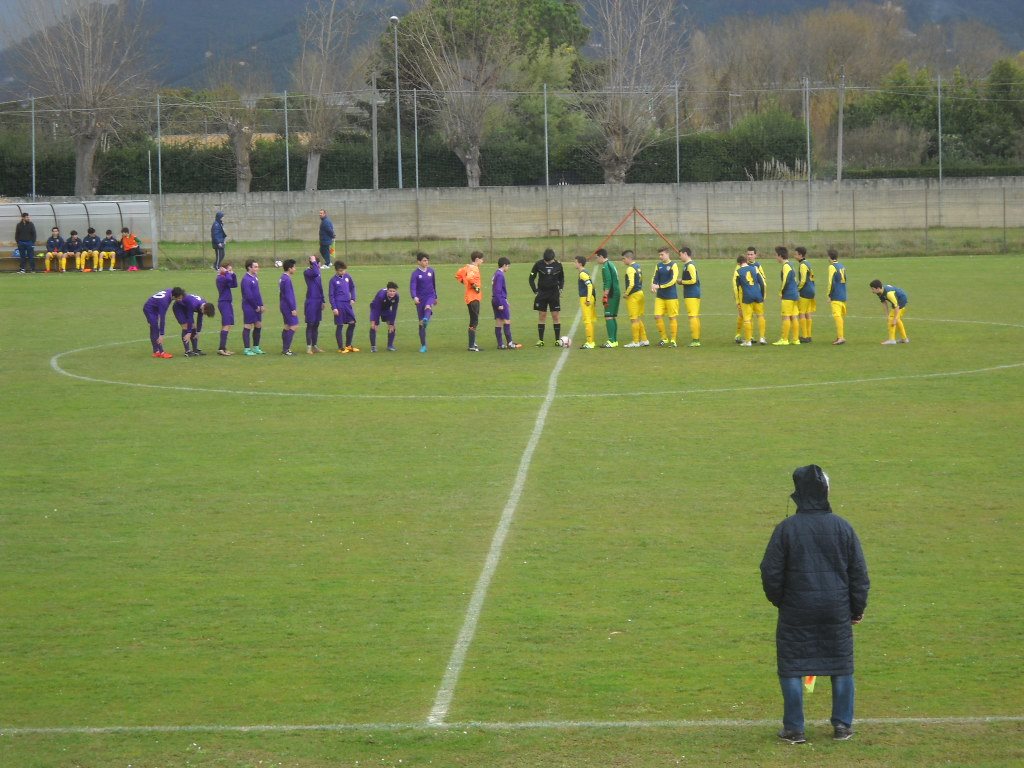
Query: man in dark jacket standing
(218, 237)
(25, 237)
(814, 572)
(326, 238)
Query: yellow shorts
(589, 312)
(790, 307)
(666, 307)
(807, 306)
(635, 305)
(758, 307)
(747, 311)
(838, 309)
(692, 307)
(897, 314)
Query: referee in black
(546, 281)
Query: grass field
(271, 561)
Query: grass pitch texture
(193, 547)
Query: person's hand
(857, 619)
(501, 307)
(604, 299)
(295, 312)
(335, 313)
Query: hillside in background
(187, 34)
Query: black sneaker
(198, 353)
(842, 733)
(793, 737)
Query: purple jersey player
(423, 289)
(343, 298)
(384, 307)
(189, 313)
(155, 310)
(252, 308)
(288, 305)
(314, 305)
(500, 305)
(226, 280)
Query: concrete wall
(520, 212)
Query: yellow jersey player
(666, 298)
(790, 296)
(895, 301)
(837, 294)
(758, 308)
(588, 300)
(737, 295)
(805, 287)
(634, 293)
(690, 281)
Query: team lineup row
(547, 280)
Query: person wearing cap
(814, 573)
(218, 237)
(25, 237)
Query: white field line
(443, 699)
(58, 368)
(549, 725)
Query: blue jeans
(26, 256)
(793, 701)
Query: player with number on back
(837, 294)
(588, 299)
(189, 314)
(155, 312)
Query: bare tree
(86, 57)
(463, 52)
(234, 102)
(625, 91)
(319, 75)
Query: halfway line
(443, 699)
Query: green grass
(294, 541)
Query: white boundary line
(553, 725)
(443, 699)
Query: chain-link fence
(217, 142)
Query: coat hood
(811, 494)
(219, 216)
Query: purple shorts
(421, 309)
(345, 315)
(227, 312)
(181, 314)
(376, 316)
(314, 311)
(501, 314)
(250, 315)
(155, 322)
(289, 319)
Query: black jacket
(25, 232)
(814, 572)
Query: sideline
(551, 725)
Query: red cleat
(166, 355)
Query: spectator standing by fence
(326, 238)
(218, 237)
(25, 237)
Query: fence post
(926, 186)
(344, 225)
(939, 83)
(1004, 219)
(707, 218)
(547, 168)
(373, 128)
(854, 198)
(839, 136)
(159, 156)
(782, 203)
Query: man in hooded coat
(814, 572)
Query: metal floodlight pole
(287, 152)
(547, 167)
(398, 103)
(373, 128)
(416, 135)
(159, 154)
(33, 102)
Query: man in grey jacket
(814, 572)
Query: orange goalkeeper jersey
(469, 276)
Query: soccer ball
(278, 263)
(565, 341)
